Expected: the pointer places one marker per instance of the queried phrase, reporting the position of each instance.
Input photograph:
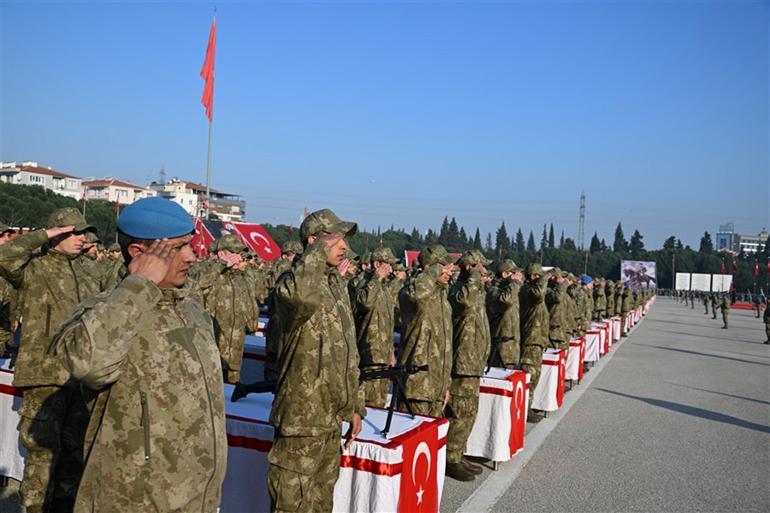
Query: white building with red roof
(114, 190)
(30, 173)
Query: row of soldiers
(331, 315)
(717, 301)
(457, 317)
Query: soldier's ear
(135, 248)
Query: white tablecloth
(11, 452)
(377, 474)
(498, 433)
(575, 357)
(549, 392)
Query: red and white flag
(255, 237)
(207, 72)
(201, 239)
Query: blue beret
(585, 279)
(155, 218)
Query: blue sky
(404, 112)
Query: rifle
(396, 374)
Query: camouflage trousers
(303, 472)
(376, 390)
(52, 428)
(713, 312)
(461, 411)
(532, 361)
(767, 331)
(724, 319)
(232, 358)
(429, 408)
(560, 344)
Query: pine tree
(670, 244)
(453, 237)
(595, 244)
(463, 238)
(551, 239)
(520, 245)
(561, 241)
(443, 234)
(488, 245)
(569, 245)
(502, 242)
(636, 245)
(620, 245)
(706, 244)
(477, 239)
(415, 236)
(531, 242)
(544, 238)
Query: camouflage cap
(92, 238)
(384, 255)
(69, 216)
(114, 247)
(352, 255)
(366, 258)
(228, 242)
(398, 266)
(325, 221)
(508, 266)
(292, 246)
(5, 228)
(534, 268)
(470, 258)
(435, 254)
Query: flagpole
(208, 172)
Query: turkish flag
(255, 237)
(518, 411)
(723, 266)
(201, 239)
(562, 377)
(207, 72)
(419, 482)
(756, 269)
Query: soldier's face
(5, 237)
(337, 252)
(71, 244)
(182, 259)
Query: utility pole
(582, 222)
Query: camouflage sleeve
(425, 284)
(15, 254)
(94, 342)
(299, 290)
(507, 294)
(369, 292)
(462, 292)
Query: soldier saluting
(157, 439)
(317, 386)
(47, 268)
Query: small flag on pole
(207, 72)
(756, 268)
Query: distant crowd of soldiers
(722, 302)
(331, 315)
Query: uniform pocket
(145, 422)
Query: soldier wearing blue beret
(158, 439)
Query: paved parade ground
(676, 418)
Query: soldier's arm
(507, 294)
(366, 295)
(424, 285)
(462, 292)
(95, 341)
(15, 254)
(299, 289)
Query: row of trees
(31, 205)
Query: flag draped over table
(207, 72)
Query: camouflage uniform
(426, 333)
(7, 298)
(53, 413)
(534, 324)
(273, 339)
(611, 295)
(557, 314)
(600, 301)
(578, 299)
(503, 313)
(375, 307)
(317, 387)
(725, 306)
(625, 305)
(157, 438)
(226, 294)
(471, 344)
(706, 304)
(766, 319)
(618, 299)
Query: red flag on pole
(756, 268)
(207, 72)
(723, 266)
(735, 266)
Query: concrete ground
(675, 419)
